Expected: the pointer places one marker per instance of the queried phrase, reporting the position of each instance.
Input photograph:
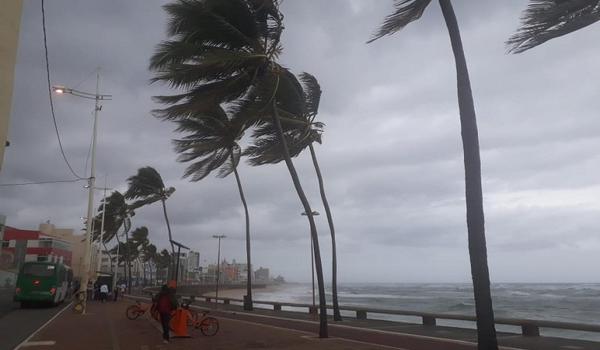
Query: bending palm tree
(119, 215)
(548, 19)
(147, 187)
(266, 150)
(224, 52)
(406, 12)
(211, 144)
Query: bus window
(39, 270)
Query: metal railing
(529, 327)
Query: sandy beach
(238, 293)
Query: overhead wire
(50, 96)
(40, 182)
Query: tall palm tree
(139, 240)
(149, 254)
(408, 11)
(544, 20)
(147, 187)
(118, 215)
(266, 150)
(163, 261)
(210, 144)
(224, 52)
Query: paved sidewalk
(106, 327)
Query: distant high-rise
(193, 261)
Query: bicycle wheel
(133, 312)
(209, 326)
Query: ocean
(579, 303)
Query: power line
(50, 95)
(40, 182)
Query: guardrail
(529, 327)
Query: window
(5, 244)
(39, 270)
(42, 258)
(45, 243)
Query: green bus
(43, 282)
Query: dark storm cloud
(392, 153)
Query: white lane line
(40, 343)
(42, 327)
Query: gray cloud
(392, 153)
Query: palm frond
(228, 167)
(406, 12)
(215, 21)
(312, 93)
(146, 183)
(544, 20)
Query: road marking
(42, 327)
(40, 343)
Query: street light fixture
(179, 246)
(312, 260)
(218, 267)
(97, 96)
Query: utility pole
(218, 266)
(91, 180)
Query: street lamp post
(91, 180)
(218, 266)
(312, 261)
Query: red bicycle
(208, 325)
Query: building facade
(19, 246)
(10, 21)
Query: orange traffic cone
(179, 323)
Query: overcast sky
(391, 157)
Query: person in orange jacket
(165, 304)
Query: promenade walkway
(105, 327)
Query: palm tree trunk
(172, 263)
(127, 261)
(323, 331)
(248, 298)
(336, 307)
(486, 331)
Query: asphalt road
(17, 324)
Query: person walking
(165, 304)
(103, 292)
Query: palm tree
(544, 20)
(211, 143)
(266, 150)
(147, 187)
(406, 12)
(149, 254)
(118, 214)
(139, 240)
(224, 52)
(163, 261)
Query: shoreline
(238, 293)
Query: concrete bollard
(429, 321)
(361, 315)
(530, 330)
